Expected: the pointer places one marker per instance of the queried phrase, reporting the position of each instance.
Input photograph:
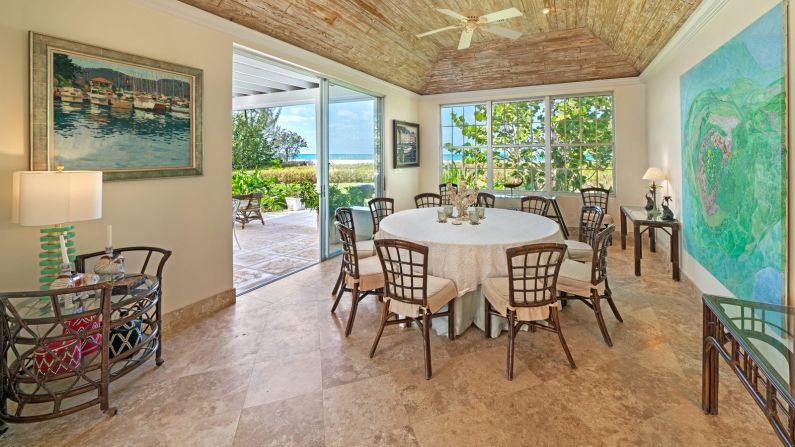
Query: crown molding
(533, 90)
(700, 17)
(263, 43)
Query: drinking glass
(473, 217)
(448, 209)
(481, 212)
(441, 215)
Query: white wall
(189, 215)
(701, 35)
(630, 136)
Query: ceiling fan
(472, 20)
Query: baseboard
(183, 317)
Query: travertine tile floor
(275, 369)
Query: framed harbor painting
(129, 116)
(735, 158)
(406, 142)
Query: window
(582, 142)
(464, 148)
(549, 144)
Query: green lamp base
(50, 258)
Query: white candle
(109, 242)
(64, 253)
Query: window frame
(490, 147)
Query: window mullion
(548, 144)
(489, 145)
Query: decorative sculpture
(461, 199)
(667, 214)
(649, 203)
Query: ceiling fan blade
(466, 38)
(437, 31)
(505, 14)
(504, 32)
(452, 14)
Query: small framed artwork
(96, 109)
(406, 144)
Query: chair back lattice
(344, 215)
(595, 196)
(599, 262)
(380, 207)
(486, 199)
(533, 274)
(535, 205)
(428, 200)
(405, 266)
(350, 257)
(590, 223)
(445, 193)
(51, 352)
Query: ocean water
(364, 157)
(96, 137)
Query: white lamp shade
(49, 198)
(654, 174)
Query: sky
(350, 126)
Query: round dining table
(468, 254)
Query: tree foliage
(65, 70)
(287, 143)
(252, 132)
(580, 136)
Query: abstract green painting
(734, 161)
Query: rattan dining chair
(527, 296)
(364, 249)
(411, 292)
(486, 199)
(363, 277)
(591, 218)
(597, 197)
(535, 205)
(427, 200)
(445, 193)
(380, 207)
(587, 282)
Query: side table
(640, 218)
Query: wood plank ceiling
(580, 40)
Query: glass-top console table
(756, 340)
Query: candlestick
(109, 242)
(64, 253)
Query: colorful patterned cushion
(126, 337)
(91, 343)
(59, 357)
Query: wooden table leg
(652, 240)
(709, 365)
(675, 253)
(623, 230)
(638, 251)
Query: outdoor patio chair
(249, 208)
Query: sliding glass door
(351, 161)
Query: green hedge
(343, 173)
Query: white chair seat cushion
(365, 248)
(607, 219)
(497, 292)
(371, 276)
(575, 278)
(579, 251)
(440, 292)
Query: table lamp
(52, 199)
(655, 175)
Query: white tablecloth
(468, 254)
